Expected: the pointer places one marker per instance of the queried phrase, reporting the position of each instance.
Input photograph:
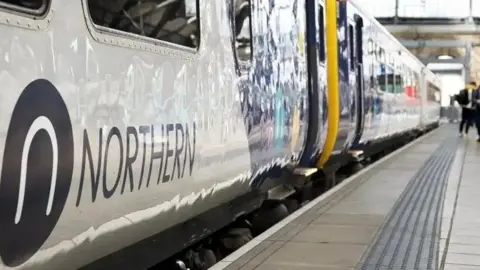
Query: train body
(132, 129)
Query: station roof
(433, 28)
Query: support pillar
(470, 12)
(395, 18)
(468, 58)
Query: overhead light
(444, 57)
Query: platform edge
(451, 194)
(225, 262)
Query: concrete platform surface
(418, 208)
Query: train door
(357, 64)
(317, 80)
(345, 132)
(352, 79)
(381, 118)
(389, 96)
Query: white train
(132, 129)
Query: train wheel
(234, 239)
(268, 215)
(198, 259)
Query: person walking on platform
(476, 112)
(465, 99)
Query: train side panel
(392, 83)
(279, 85)
(346, 90)
(125, 136)
(148, 128)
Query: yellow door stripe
(333, 104)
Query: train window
(351, 46)
(28, 6)
(170, 21)
(321, 33)
(243, 30)
(371, 47)
(382, 83)
(408, 82)
(381, 54)
(416, 82)
(391, 60)
(399, 77)
(358, 39)
(438, 96)
(433, 93)
(406, 75)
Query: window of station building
(172, 21)
(35, 7)
(243, 30)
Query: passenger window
(358, 39)
(437, 95)
(410, 83)
(243, 30)
(417, 84)
(27, 6)
(381, 58)
(170, 21)
(371, 47)
(400, 82)
(391, 82)
(380, 53)
(410, 79)
(351, 46)
(431, 89)
(406, 78)
(321, 33)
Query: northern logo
(36, 171)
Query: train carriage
(132, 130)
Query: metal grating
(410, 236)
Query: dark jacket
(462, 97)
(475, 98)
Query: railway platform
(417, 208)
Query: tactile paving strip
(410, 236)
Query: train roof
(430, 75)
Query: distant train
(133, 129)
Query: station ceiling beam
(455, 29)
(436, 43)
(448, 71)
(433, 59)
